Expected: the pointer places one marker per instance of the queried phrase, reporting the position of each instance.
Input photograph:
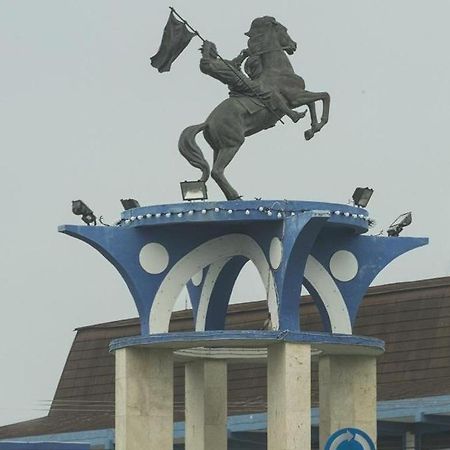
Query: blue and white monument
(158, 250)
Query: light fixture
(361, 196)
(79, 208)
(402, 221)
(193, 190)
(129, 203)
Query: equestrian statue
(260, 95)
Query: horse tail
(191, 151)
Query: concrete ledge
(333, 344)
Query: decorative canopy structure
(160, 249)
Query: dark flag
(176, 38)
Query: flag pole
(233, 69)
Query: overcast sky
(84, 115)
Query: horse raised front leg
(223, 158)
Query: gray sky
(85, 116)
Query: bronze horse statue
(267, 91)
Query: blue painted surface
(219, 212)
(96, 438)
(350, 439)
(42, 446)
(221, 338)
(305, 229)
(410, 410)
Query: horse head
(266, 34)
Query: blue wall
(42, 446)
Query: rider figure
(229, 73)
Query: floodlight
(129, 203)
(193, 190)
(402, 221)
(361, 196)
(79, 208)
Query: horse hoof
(309, 134)
(296, 116)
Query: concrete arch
(210, 280)
(330, 296)
(207, 254)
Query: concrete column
(144, 399)
(289, 396)
(206, 405)
(409, 441)
(348, 394)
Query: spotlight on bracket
(396, 227)
(79, 208)
(361, 196)
(193, 190)
(129, 203)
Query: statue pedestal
(204, 245)
(145, 391)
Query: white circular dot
(168, 214)
(216, 209)
(191, 212)
(344, 265)
(347, 214)
(197, 278)
(154, 258)
(203, 211)
(158, 215)
(269, 213)
(230, 211)
(279, 215)
(261, 209)
(180, 214)
(338, 213)
(148, 216)
(275, 253)
(132, 218)
(140, 217)
(247, 212)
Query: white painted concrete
(204, 255)
(197, 278)
(206, 405)
(205, 296)
(289, 397)
(144, 399)
(330, 294)
(276, 253)
(154, 258)
(344, 265)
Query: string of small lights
(270, 212)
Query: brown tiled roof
(413, 318)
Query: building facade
(413, 318)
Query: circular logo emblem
(349, 439)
